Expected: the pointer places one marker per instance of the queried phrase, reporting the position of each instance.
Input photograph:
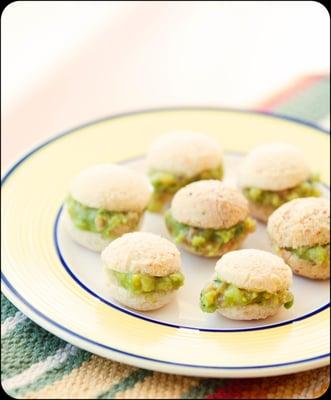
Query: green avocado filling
(110, 224)
(206, 242)
(166, 184)
(143, 283)
(275, 199)
(317, 255)
(219, 294)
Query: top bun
(274, 166)
(142, 252)
(112, 187)
(209, 204)
(255, 270)
(184, 153)
(301, 222)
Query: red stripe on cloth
(291, 91)
(240, 389)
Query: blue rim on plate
(39, 314)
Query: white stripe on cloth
(10, 323)
(36, 370)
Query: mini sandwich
(273, 174)
(209, 218)
(179, 158)
(143, 270)
(248, 284)
(105, 201)
(300, 233)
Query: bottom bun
(140, 302)
(304, 267)
(90, 240)
(260, 212)
(232, 245)
(249, 312)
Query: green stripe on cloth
(126, 383)
(55, 374)
(205, 387)
(27, 344)
(312, 105)
(7, 309)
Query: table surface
(64, 65)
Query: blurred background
(66, 63)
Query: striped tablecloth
(36, 364)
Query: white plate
(185, 312)
(59, 285)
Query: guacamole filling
(144, 284)
(275, 199)
(316, 255)
(166, 184)
(219, 294)
(207, 242)
(110, 224)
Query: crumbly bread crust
(253, 269)
(305, 267)
(274, 166)
(209, 204)
(184, 153)
(249, 312)
(142, 252)
(90, 240)
(260, 211)
(301, 222)
(112, 187)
